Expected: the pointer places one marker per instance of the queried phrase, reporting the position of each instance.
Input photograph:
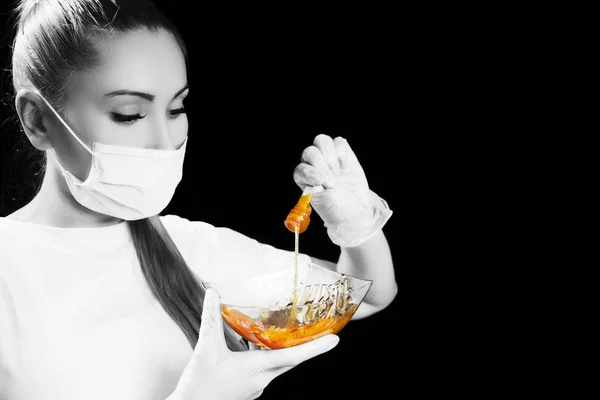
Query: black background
(264, 83)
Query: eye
(175, 113)
(126, 118)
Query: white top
(78, 320)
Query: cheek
(73, 157)
(179, 130)
(81, 166)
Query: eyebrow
(143, 95)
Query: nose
(161, 138)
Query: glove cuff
(354, 234)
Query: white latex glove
(217, 373)
(352, 213)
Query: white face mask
(125, 182)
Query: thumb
(292, 356)
(208, 349)
(211, 335)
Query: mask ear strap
(67, 126)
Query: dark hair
(54, 38)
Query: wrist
(366, 223)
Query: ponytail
(171, 280)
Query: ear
(31, 110)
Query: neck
(54, 205)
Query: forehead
(148, 61)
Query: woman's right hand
(217, 373)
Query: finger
(211, 334)
(326, 145)
(316, 171)
(345, 155)
(265, 376)
(307, 175)
(292, 356)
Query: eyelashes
(175, 113)
(126, 118)
(132, 118)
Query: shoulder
(180, 228)
(207, 249)
(15, 239)
(218, 252)
(183, 230)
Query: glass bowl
(292, 306)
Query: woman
(101, 296)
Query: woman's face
(133, 97)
